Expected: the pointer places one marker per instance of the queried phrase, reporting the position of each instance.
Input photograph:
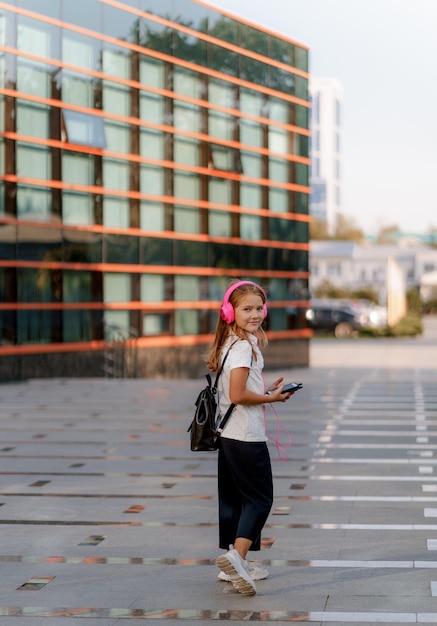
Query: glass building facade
(150, 150)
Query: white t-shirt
(246, 423)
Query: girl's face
(249, 312)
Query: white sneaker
(236, 568)
(255, 572)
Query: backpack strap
(231, 407)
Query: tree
(346, 229)
(388, 234)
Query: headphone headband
(227, 312)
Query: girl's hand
(276, 384)
(278, 396)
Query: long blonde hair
(223, 329)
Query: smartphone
(287, 388)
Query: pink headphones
(227, 310)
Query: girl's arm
(239, 394)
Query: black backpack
(204, 430)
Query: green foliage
(409, 326)
(414, 303)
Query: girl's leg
(229, 501)
(249, 466)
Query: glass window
(301, 87)
(116, 99)
(77, 209)
(156, 324)
(38, 244)
(32, 119)
(152, 72)
(33, 203)
(84, 129)
(187, 289)
(223, 60)
(33, 78)
(301, 145)
(77, 286)
(151, 144)
(281, 230)
(278, 200)
(156, 251)
(80, 51)
(116, 62)
(117, 137)
(35, 37)
(186, 186)
(152, 180)
(116, 212)
(187, 83)
(226, 159)
(186, 220)
(219, 224)
(220, 125)
(116, 287)
(302, 116)
(278, 141)
(77, 326)
(152, 288)
(221, 93)
(279, 170)
(152, 216)
(120, 249)
(186, 151)
(252, 164)
(82, 247)
(186, 117)
(191, 253)
(250, 227)
(220, 191)
(279, 110)
(77, 89)
(33, 162)
(152, 108)
(250, 196)
(251, 102)
(251, 133)
(302, 172)
(115, 174)
(77, 169)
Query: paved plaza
(107, 518)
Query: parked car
(345, 318)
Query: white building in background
(325, 178)
(355, 266)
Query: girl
(245, 485)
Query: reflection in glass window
(156, 251)
(79, 50)
(120, 249)
(251, 102)
(221, 93)
(151, 72)
(77, 286)
(116, 63)
(252, 164)
(33, 203)
(156, 324)
(186, 289)
(77, 209)
(33, 78)
(77, 89)
(84, 129)
(191, 253)
(34, 37)
(187, 83)
(226, 159)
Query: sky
(384, 53)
